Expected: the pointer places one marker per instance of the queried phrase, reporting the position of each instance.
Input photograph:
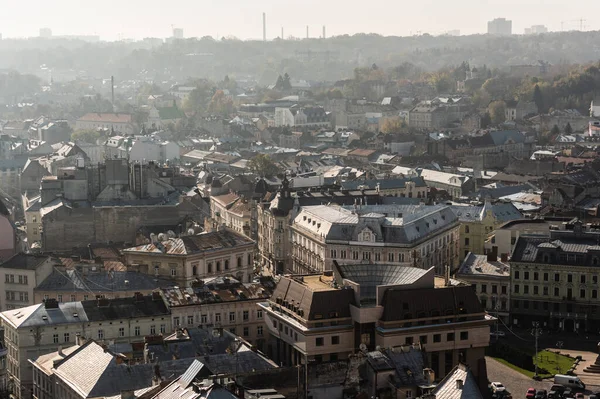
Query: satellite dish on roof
(363, 348)
(162, 237)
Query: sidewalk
(588, 358)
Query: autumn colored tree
(263, 166)
(497, 111)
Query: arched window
(210, 268)
(239, 261)
(467, 229)
(194, 270)
(218, 266)
(226, 265)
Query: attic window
(434, 221)
(427, 224)
(304, 218)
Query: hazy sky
(112, 19)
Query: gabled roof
(24, 261)
(448, 388)
(95, 372)
(188, 245)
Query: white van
(570, 381)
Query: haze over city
(136, 19)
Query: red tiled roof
(106, 118)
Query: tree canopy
(263, 166)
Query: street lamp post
(559, 345)
(536, 332)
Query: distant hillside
(312, 59)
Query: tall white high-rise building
(45, 32)
(500, 26)
(177, 33)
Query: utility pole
(559, 345)
(536, 332)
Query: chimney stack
(264, 27)
(112, 90)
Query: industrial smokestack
(264, 27)
(112, 91)
(324, 36)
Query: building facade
(490, 277)
(221, 302)
(325, 317)
(418, 236)
(185, 259)
(20, 274)
(40, 329)
(554, 280)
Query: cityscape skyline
(137, 20)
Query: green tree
(497, 111)
(555, 130)
(287, 84)
(263, 166)
(486, 120)
(279, 83)
(86, 135)
(538, 99)
(568, 129)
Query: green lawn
(546, 360)
(549, 360)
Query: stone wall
(66, 228)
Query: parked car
(593, 396)
(568, 393)
(541, 394)
(557, 388)
(530, 393)
(498, 387)
(570, 381)
(553, 395)
(579, 395)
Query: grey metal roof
(71, 280)
(96, 373)
(24, 261)
(190, 374)
(501, 211)
(479, 265)
(38, 315)
(448, 389)
(339, 224)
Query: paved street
(517, 383)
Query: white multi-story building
(221, 302)
(418, 236)
(40, 329)
(185, 259)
